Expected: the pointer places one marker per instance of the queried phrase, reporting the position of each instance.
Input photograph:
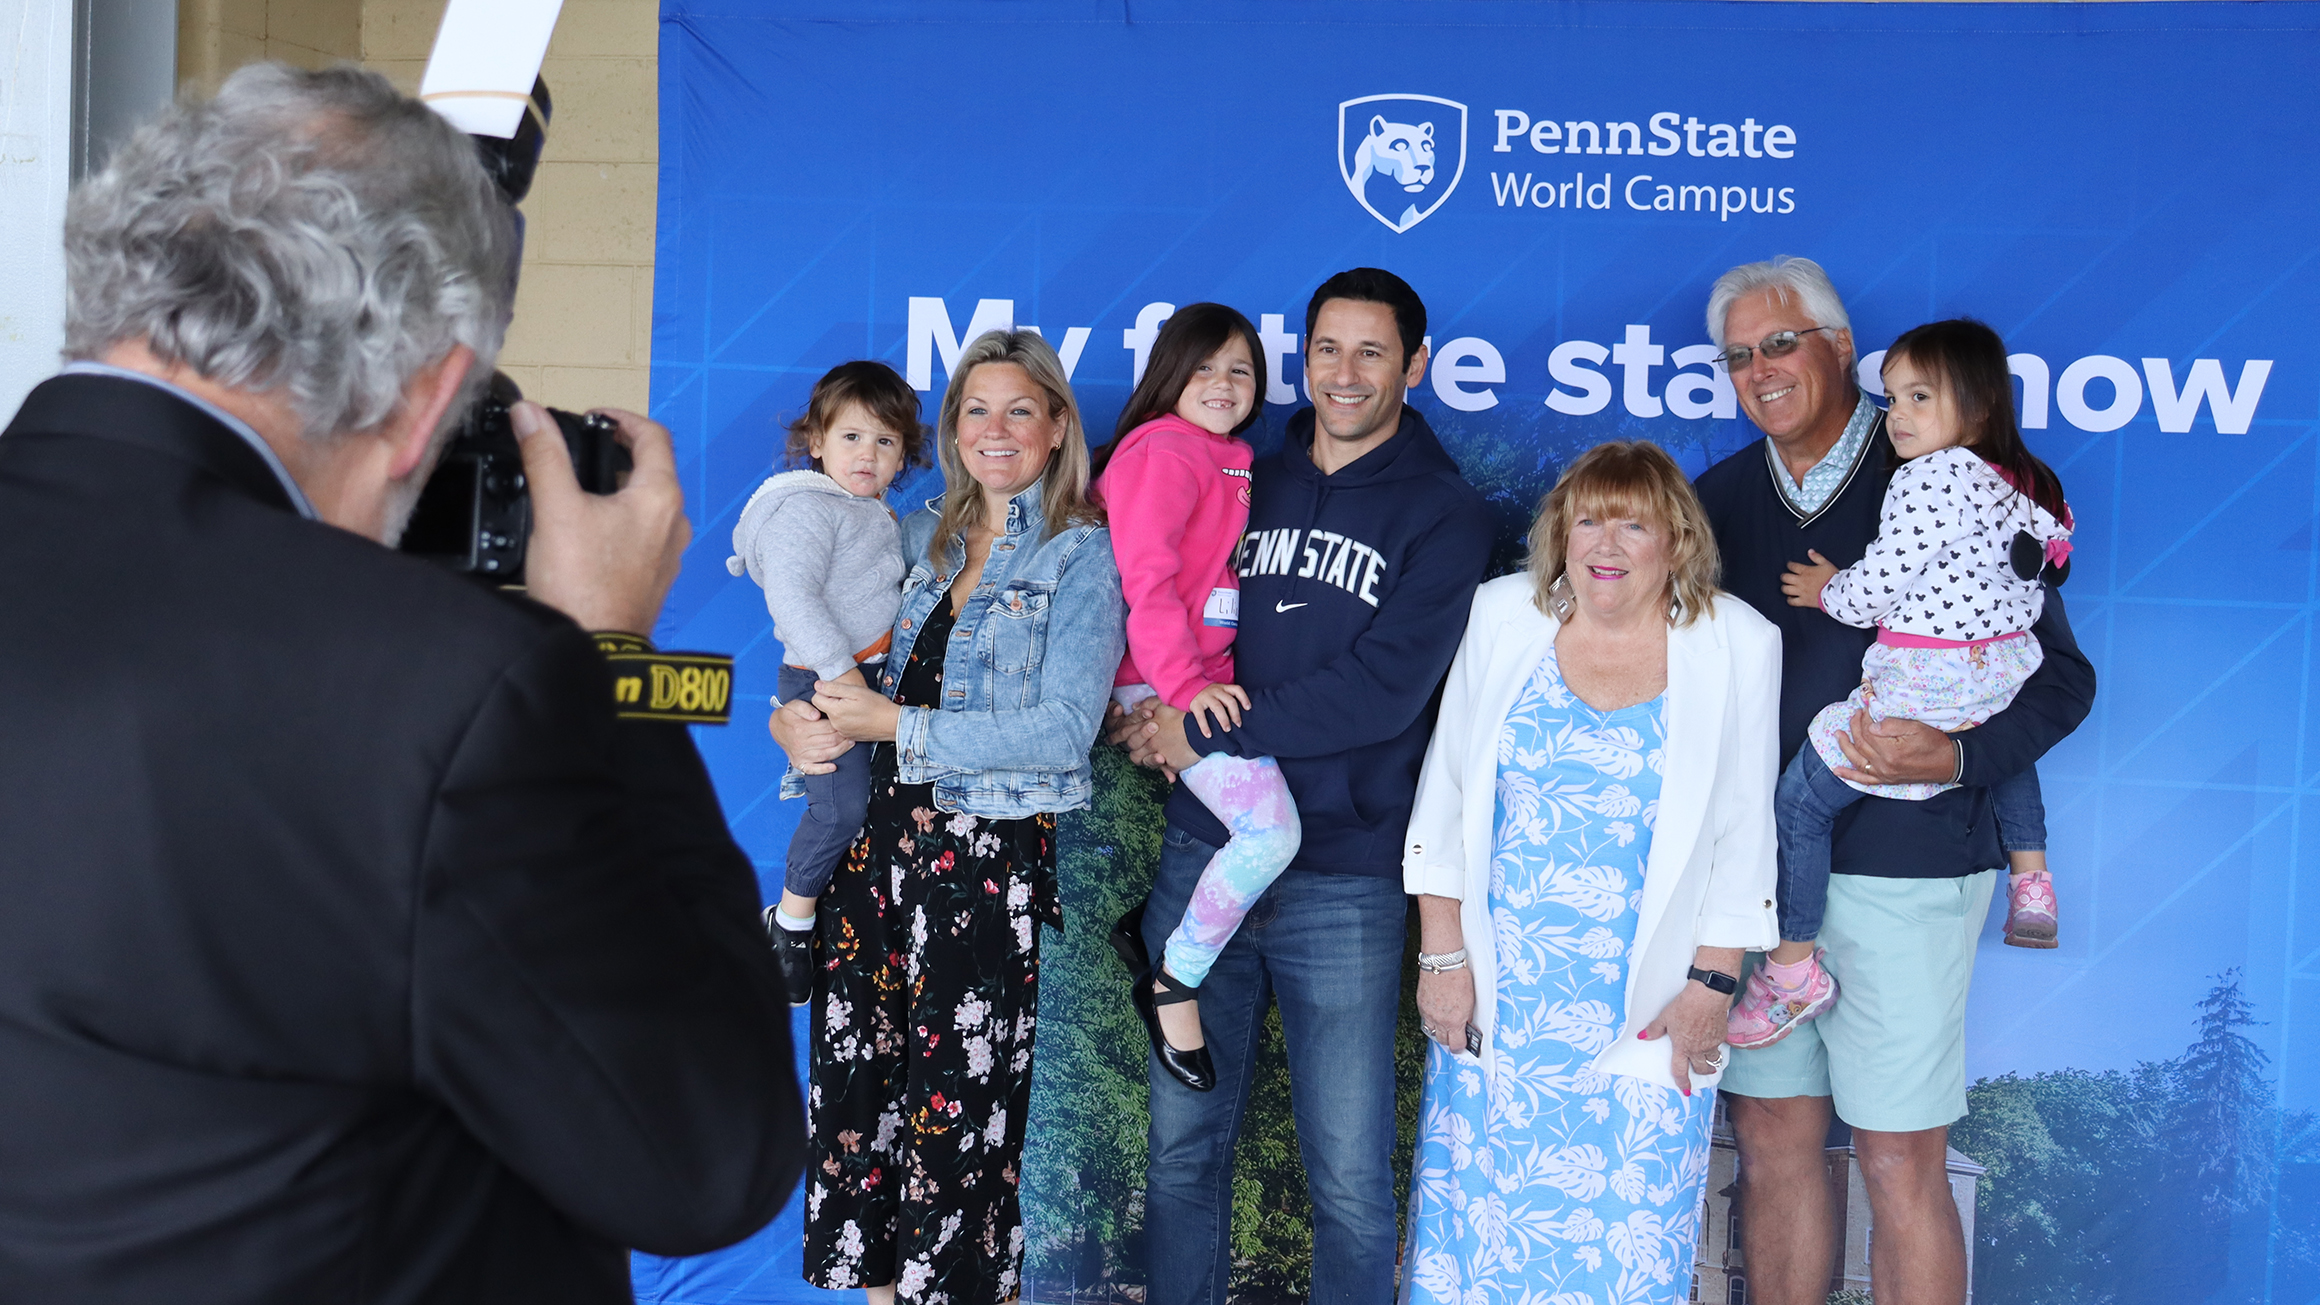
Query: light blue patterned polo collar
(1833, 471)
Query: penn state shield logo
(1401, 155)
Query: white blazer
(1709, 879)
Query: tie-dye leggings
(1252, 799)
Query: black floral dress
(923, 1021)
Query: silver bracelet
(1442, 962)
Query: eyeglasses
(1775, 345)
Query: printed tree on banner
(2218, 1144)
(1083, 1162)
(2174, 1182)
(2226, 1103)
(1513, 466)
(2072, 1160)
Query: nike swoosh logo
(1289, 607)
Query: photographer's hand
(605, 560)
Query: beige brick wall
(583, 327)
(214, 37)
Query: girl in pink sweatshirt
(1175, 484)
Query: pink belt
(1896, 639)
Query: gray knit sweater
(830, 564)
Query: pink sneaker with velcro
(2031, 911)
(1769, 1011)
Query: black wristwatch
(1716, 980)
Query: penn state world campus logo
(1401, 155)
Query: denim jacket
(1028, 672)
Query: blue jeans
(1329, 949)
(2020, 806)
(836, 803)
(1804, 809)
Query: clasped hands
(844, 712)
(1153, 732)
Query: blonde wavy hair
(1063, 499)
(1634, 480)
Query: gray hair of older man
(1791, 280)
(313, 234)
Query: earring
(1559, 596)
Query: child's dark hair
(1186, 340)
(1970, 359)
(884, 395)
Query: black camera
(475, 513)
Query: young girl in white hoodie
(1972, 530)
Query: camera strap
(682, 688)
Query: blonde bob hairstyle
(1632, 480)
(1063, 499)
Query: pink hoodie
(1178, 499)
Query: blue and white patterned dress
(1557, 1184)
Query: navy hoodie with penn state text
(1354, 591)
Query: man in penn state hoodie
(1363, 549)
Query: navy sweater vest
(1952, 833)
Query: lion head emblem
(1415, 142)
(1399, 150)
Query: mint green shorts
(1892, 1051)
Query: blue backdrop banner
(2128, 193)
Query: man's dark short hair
(1375, 285)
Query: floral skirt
(1947, 688)
(924, 1012)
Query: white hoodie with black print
(1942, 563)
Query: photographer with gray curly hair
(355, 948)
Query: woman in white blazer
(1592, 849)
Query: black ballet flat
(1191, 1068)
(1128, 941)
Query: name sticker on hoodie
(1224, 608)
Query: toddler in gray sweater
(828, 552)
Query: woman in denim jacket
(926, 988)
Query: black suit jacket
(350, 949)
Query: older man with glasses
(1912, 880)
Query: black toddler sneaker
(796, 952)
